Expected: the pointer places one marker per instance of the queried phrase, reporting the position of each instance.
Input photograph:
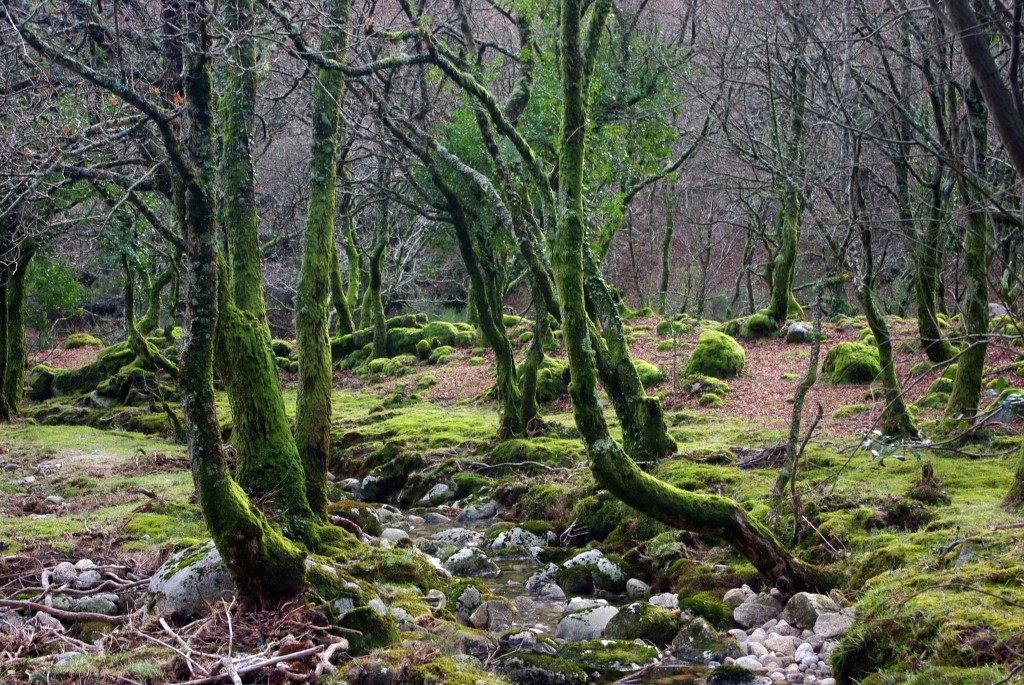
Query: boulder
(191, 580)
(438, 493)
(643, 621)
(63, 573)
(697, 642)
(830, 626)
(478, 512)
(637, 589)
(96, 605)
(995, 309)
(757, 610)
(804, 608)
(610, 656)
(471, 563)
(494, 616)
(458, 537)
(798, 333)
(586, 624)
(517, 537)
(665, 600)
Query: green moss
(552, 379)
(464, 339)
(524, 338)
(426, 381)
(728, 674)
(650, 375)
(673, 328)
(851, 363)
(759, 325)
(788, 377)
(281, 348)
(147, 663)
(711, 400)
(717, 355)
(76, 340)
(643, 621)
(935, 400)
(440, 354)
(423, 350)
(548, 502)
(710, 607)
(359, 513)
(475, 361)
(376, 631)
(403, 341)
(850, 410)
(443, 331)
(166, 525)
(467, 483)
(877, 562)
(941, 385)
(610, 656)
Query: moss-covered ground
(935, 570)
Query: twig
(294, 656)
(79, 616)
(1008, 526)
(229, 666)
(192, 665)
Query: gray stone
(798, 333)
(435, 518)
(829, 626)
(780, 645)
(757, 610)
(995, 309)
(458, 537)
(516, 537)
(394, 535)
(637, 589)
(578, 603)
(665, 600)
(10, 622)
(803, 651)
(541, 579)
(586, 624)
(735, 597)
(189, 580)
(552, 593)
(96, 605)
(467, 602)
(63, 573)
(478, 512)
(438, 493)
(55, 499)
(471, 563)
(804, 608)
(748, 662)
(48, 622)
(494, 615)
(697, 642)
(87, 579)
(607, 574)
(85, 564)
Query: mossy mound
(698, 385)
(610, 656)
(650, 375)
(281, 348)
(375, 630)
(711, 401)
(552, 379)
(850, 410)
(442, 331)
(710, 607)
(716, 355)
(643, 621)
(673, 328)
(759, 325)
(76, 340)
(850, 363)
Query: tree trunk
(268, 464)
(154, 301)
(1015, 497)
(266, 567)
(666, 252)
(963, 400)
(5, 411)
(14, 363)
(926, 276)
(343, 315)
(319, 267)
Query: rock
(748, 662)
(666, 600)
(524, 640)
(55, 499)
(517, 537)
(88, 578)
(798, 333)
(63, 573)
(606, 573)
(541, 579)
(699, 643)
(586, 624)
(757, 649)
(995, 309)
(494, 615)
(394, 535)
(471, 563)
(478, 512)
(466, 603)
(804, 608)
(438, 493)
(829, 626)
(96, 605)
(435, 518)
(48, 622)
(643, 621)
(541, 669)
(85, 564)
(636, 589)
(757, 610)
(577, 603)
(552, 593)
(10, 622)
(190, 580)
(66, 656)
(619, 656)
(735, 597)
(458, 537)
(780, 645)
(803, 651)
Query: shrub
(716, 355)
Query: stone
(798, 333)
(55, 499)
(995, 309)
(96, 605)
(394, 535)
(665, 600)
(494, 615)
(470, 562)
(735, 597)
(85, 564)
(478, 512)
(517, 537)
(643, 621)
(803, 651)
(577, 603)
(467, 602)
(749, 663)
(757, 649)
(191, 580)
(63, 573)
(757, 610)
(697, 642)
(48, 622)
(458, 537)
(11, 622)
(586, 624)
(803, 609)
(780, 645)
(434, 518)
(438, 493)
(606, 573)
(636, 589)
(541, 579)
(552, 593)
(540, 668)
(829, 626)
(783, 628)
(87, 579)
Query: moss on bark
(13, 382)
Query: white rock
(189, 581)
(829, 626)
(636, 589)
(665, 600)
(587, 624)
(749, 663)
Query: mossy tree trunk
(1015, 497)
(666, 251)
(343, 323)
(154, 299)
(963, 400)
(895, 421)
(269, 466)
(613, 469)
(13, 350)
(266, 567)
(348, 243)
(319, 268)
(927, 255)
(373, 305)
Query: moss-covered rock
(443, 331)
(650, 375)
(552, 379)
(76, 340)
(644, 621)
(281, 348)
(850, 363)
(716, 355)
(673, 328)
(610, 656)
(359, 513)
(759, 325)
(526, 668)
(464, 339)
(711, 401)
(710, 607)
(375, 630)
(850, 410)
(729, 674)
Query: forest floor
(938, 585)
